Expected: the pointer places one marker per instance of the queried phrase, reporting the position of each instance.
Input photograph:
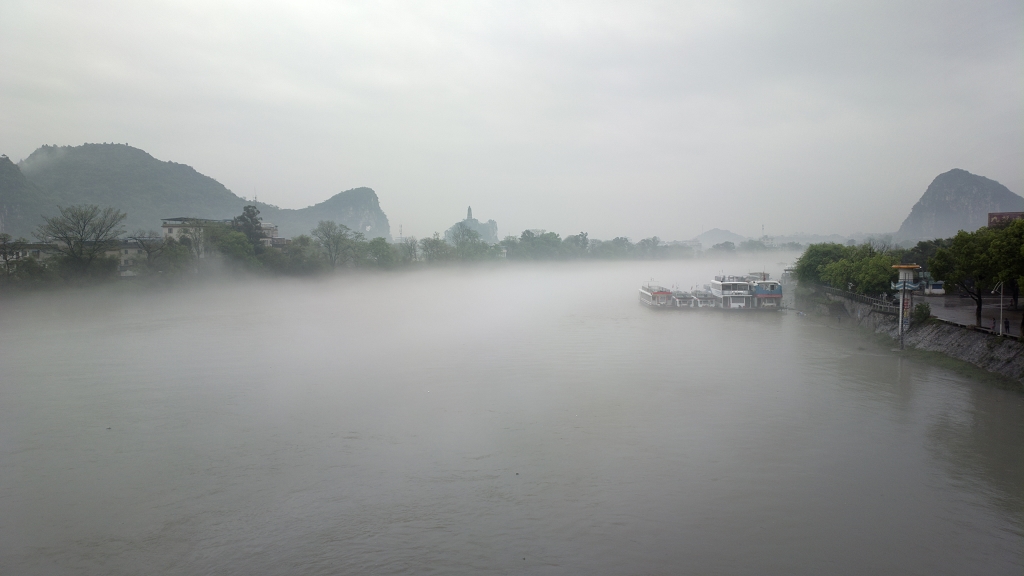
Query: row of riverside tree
(973, 263)
(88, 243)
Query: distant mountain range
(956, 200)
(21, 201)
(718, 236)
(148, 190)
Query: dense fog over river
(494, 420)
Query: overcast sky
(627, 118)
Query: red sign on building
(996, 219)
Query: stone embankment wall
(993, 353)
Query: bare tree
(193, 235)
(409, 250)
(82, 234)
(151, 243)
(466, 241)
(332, 237)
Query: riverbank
(990, 352)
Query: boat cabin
(767, 293)
(731, 292)
(656, 296)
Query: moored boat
(756, 291)
(703, 298)
(731, 292)
(767, 292)
(654, 296)
(682, 299)
(693, 299)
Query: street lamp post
(906, 282)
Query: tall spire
(469, 213)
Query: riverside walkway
(950, 308)
(953, 308)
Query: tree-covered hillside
(21, 202)
(148, 189)
(358, 208)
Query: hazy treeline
(543, 245)
(85, 244)
(465, 244)
(973, 263)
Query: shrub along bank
(972, 263)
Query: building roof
(181, 219)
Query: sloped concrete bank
(1004, 356)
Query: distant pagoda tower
(488, 231)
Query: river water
(506, 420)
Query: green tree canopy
(380, 253)
(435, 249)
(752, 246)
(617, 248)
(237, 250)
(576, 246)
(249, 223)
(864, 271)
(533, 245)
(650, 248)
(812, 262)
(1008, 257)
(970, 264)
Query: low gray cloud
(615, 118)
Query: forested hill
(956, 200)
(148, 189)
(21, 202)
(128, 179)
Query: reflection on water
(520, 420)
